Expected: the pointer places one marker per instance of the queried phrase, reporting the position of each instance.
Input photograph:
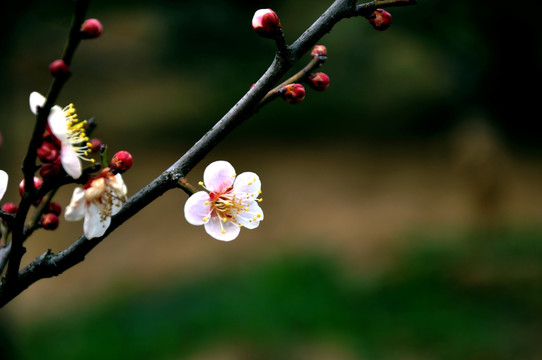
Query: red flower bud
(95, 145)
(54, 208)
(10, 208)
(380, 19)
(48, 152)
(49, 221)
(121, 162)
(319, 81)
(293, 93)
(91, 28)
(59, 68)
(266, 23)
(50, 170)
(37, 184)
(319, 50)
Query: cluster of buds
(90, 29)
(380, 19)
(50, 217)
(292, 93)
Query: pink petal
(251, 218)
(224, 231)
(70, 161)
(196, 211)
(247, 184)
(218, 176)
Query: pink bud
(319, 50)
(10, 208)
(59, 68)
(48, 152)
(49, 221)
(266, 23)
(380, 19)
(51, 169)
(91, 28)
(121, 161)
(319, 81)
(54, 208)
(37, 184)
(293, 93)
(95, 145)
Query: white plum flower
(3, 183)
(230, 202)
(97, 201)
(69, 130)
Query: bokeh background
(403, 205)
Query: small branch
(367, 8)
(186, 186)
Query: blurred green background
(403, 216)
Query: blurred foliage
(167, 70)
(470, 296)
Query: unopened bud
(37, 184)
(95, 145)
(380, 19)
(49, 221)
(293, 93)
(319, 50)
(54, 208)
(91, 28)
(319, 81)
(266, 23)
(10, 208)
(48, 152)
(121, 162)
(59, 68)
(51, 169)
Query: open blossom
(70, 132)
(230, 202)
(3, 183)
(97, 201)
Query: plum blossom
(70, 132)
(230, 202)
(3, 183)
(100, 198)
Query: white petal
(218, 176)
(70, 161)
(116, 206)
(94, 226)
(57, 123)
(119, 187)
(3, 183)
(77, 207)
(224, 231)
(35, 100)
(195, 209)
(247, 184)
(251, 218)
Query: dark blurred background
(403, 216)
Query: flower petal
(224, 231)
(76, 209)
(196, 211)
(36, 100)
(57, 123)
(218, 176)
(70, 161)
(94, 226)
(3, 183)
(247, 184)
(251, 218)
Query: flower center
(75, 133)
